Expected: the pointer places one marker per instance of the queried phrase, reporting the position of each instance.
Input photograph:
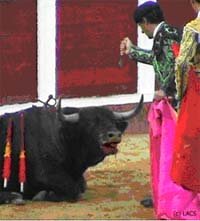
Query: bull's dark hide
(58, 151)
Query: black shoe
(147, 202)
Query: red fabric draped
(186, 166)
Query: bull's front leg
(60, 187)
(82, 184)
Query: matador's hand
(125, 46)
(159, 95)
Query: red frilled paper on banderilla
(7, 169)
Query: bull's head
(74, 118)
(104, 127)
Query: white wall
(46, 48)
(47, 66)
(146, 76)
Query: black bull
(59, 145)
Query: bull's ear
(71, 118)
(129, 114)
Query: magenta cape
(171, 201)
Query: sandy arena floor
(115, 188)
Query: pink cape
(171, 201)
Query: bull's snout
(114, 136)
(112, 139)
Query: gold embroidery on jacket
(186, 55)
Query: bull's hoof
(11, 198)
(18, 202)
(53, 197)
(147, 202)
(47, 196)
(41, 196)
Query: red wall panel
(18, 51)
(177, 12)
(88, 37)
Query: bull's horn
(72, 118)
(129, 114)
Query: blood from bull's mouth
(110, 148)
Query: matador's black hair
(149, 10)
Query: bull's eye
(110, 135)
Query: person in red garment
(186, 159)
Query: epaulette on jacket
(194, 25)
(172, 32)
